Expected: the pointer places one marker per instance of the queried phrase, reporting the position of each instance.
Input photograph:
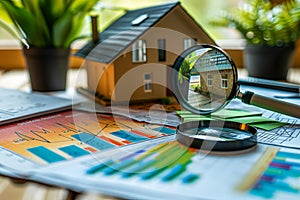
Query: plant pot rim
(46, 51)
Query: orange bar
(110, 140)
(90, 149)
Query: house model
(133, 56)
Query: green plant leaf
(23, 20)
(61, 29)
(261, 22)
(41, 26)
(52, 23)
(75, 30)
(14, 32)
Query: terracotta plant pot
(47, 68)
(268, 62)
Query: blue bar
(175, 171)
(137, 168)
(288, 155)
(262, 193)
(46, 154)
(74, 151)
(128, 136)
(118, 166)
(190, 178)
(151, 173)
(93, 141)
(165, 130)
(277, 185)
(99, 167)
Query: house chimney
(95, 33)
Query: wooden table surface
(15, 190)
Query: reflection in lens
(206, 79)
(218, 134)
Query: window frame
(209, 80)
(139, 51)
(189, 42)
(224, 80)
(161, 49)
(148, 82)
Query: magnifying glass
(205, 80)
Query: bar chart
(71, 134)
(166, 162)
(277, 175)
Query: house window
(139, 51)
(224, 81)
(209, 80)
(147, 82)
(161, 50)
(189, 42)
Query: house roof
(123, 32)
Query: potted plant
(271, 29)
(46, 29)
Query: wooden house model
(132, 58)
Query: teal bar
(190, 178)
(74, 151)
(165, 130)
(129, 136)
(139, 167)
(99, 167)
(118, 166)
(288, 155)
(93, 141)
(152, 173)
(175, 171)
(277, 172)
(46, 154)
(278, 186)
(261, 193)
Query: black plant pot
(268, 62)
(47, 68)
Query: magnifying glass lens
(206, 79)
(218, 134)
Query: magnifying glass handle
(270, 103)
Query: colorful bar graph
(280, 175)
(93, 141)
(167, 161)
(46, 154)
(74, 151)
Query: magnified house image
(211, 79)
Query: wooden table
(11, 189)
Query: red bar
(142, 134)
(90, 149)
(110, 140)
(126, 141)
